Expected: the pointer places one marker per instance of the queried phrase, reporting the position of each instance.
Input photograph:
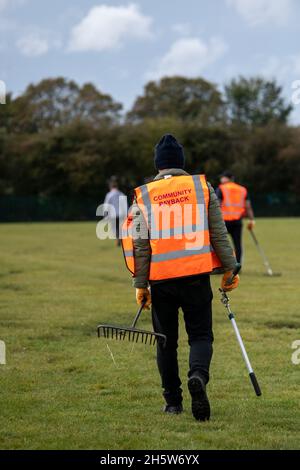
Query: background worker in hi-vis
(177, 238)
(235, 205)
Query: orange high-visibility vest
(176, 212)
(233, 205)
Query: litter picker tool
(269, 270)
(225, 301)
(131, 333)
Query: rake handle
(138, 315)
(257, 243)
(254, 236)
(262, 253)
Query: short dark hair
(113, 182)
(227, 174)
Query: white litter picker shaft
(225, 301)
(240, 341)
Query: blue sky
(120, 45)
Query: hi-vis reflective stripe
(147, 204)
(200, 201)
(128, 253)
(180, 254)
(225, 212)
(173, 231)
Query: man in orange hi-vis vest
(173, 239)
(235, 205)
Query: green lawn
(60, 388)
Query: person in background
(115, 207)
(235, 205)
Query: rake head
(131, 334)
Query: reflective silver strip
(233, 205)
(180, 254)
(172, 232)
(126, 231)
(147, 204)
(201, 200)
(238, 205)
(128, 253)
(231, 213)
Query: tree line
(61, 142)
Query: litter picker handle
(236, 270)
(255, 384)
(245, 356)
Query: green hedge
(37, 208)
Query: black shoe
(173, 410)
(200, 403)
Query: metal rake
(131, 333)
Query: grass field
(60, 388)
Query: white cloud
(33, 45)
(106, 27)
(285, 69)
(257, 12)
(189, 57)
(183, 29)
(37, 43)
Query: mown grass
(60, 388)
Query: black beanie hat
(168, 153)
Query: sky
(121, 45)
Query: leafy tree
(6, 112)
(255, 102)
(60, 143)
(208, 150)
(96, 108)
(289, 161)
(256, 158)
(56, 102)
(182, 98)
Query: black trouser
(235, 229)
(116, 222)
(194, 296)
(117, 228)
